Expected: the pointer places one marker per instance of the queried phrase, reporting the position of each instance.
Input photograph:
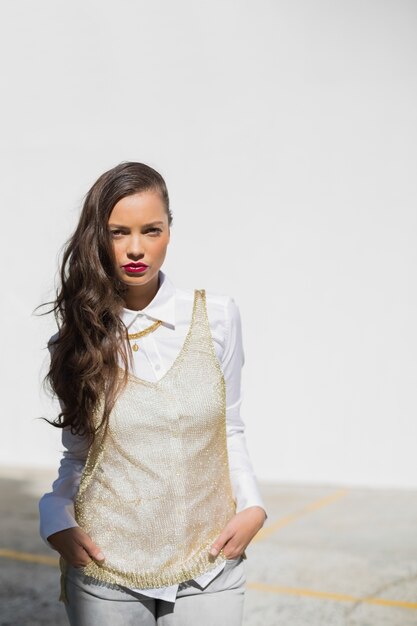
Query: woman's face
(140, 234)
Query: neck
(137, 298)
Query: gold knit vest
(155, 492)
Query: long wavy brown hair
(84, 372)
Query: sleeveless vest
(155, 491)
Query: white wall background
(286, 132)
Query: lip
(135, 268)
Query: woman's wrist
(260, 509)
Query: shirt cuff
(246, 491)
(55, 514)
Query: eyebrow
(145, 225)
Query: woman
(156, 499)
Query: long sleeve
(56, 508)
(243, 479)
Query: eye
(115, 232)
(155, 230)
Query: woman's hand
(75, 546)
(239, 532)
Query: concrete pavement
(327, 556)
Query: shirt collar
(162, 307)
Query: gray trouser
(219, 603)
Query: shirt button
(157, 367)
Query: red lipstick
(135, 268)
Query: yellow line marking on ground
(324, 595)
(28, 557)
(263, 533)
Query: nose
(135, 247)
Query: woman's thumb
(93, 550)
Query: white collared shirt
(157, 352)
